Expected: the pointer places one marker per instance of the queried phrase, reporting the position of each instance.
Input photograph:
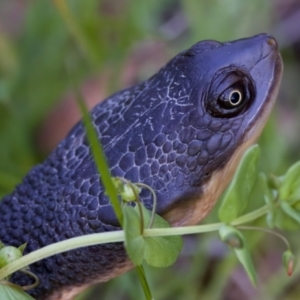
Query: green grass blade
(99, 158)
(142, 276)
(76, 31)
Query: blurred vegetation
(41, 40)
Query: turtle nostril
(272, 42)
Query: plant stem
(251, 216)
(118, 236)
(182, 230)
(138, 203)
(36, 280)
(63, 246)
(153, 212)
(265, 230)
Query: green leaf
(244, 257)
(288, 216)
(22, 247)
(160, 251)
(263, 183)
(134, 241)
(228, 232)
(12, 292)
(284, 221)
(8, 254)
(290, 211)
(239, 190)
(290, 188)
(157, 251)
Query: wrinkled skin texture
(160, 133)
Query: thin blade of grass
(99, 158)
(100, 161)
(143, 280)
(102, 166)
(76, 31)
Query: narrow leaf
(290, 211)
(227, 233)
(267, 192)
(238, 192)
(244, 257)
(22, 247)
(284, 222)
(290, 188)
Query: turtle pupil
(235, 98)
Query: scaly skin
(169, 132)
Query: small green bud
(233, 240)
(231, 237)
(289, 262)
(9, 254)
(129, 192)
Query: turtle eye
(232, 97)
(230, 93)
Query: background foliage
(109, 45)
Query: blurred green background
(107, 45)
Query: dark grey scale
(181, 160)
(162, 159)
(151, 150)
(171, 158)
(172, 132)
(187, 134)
(158, 153)
(194, 147)
(145, 171)
(140, 156)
